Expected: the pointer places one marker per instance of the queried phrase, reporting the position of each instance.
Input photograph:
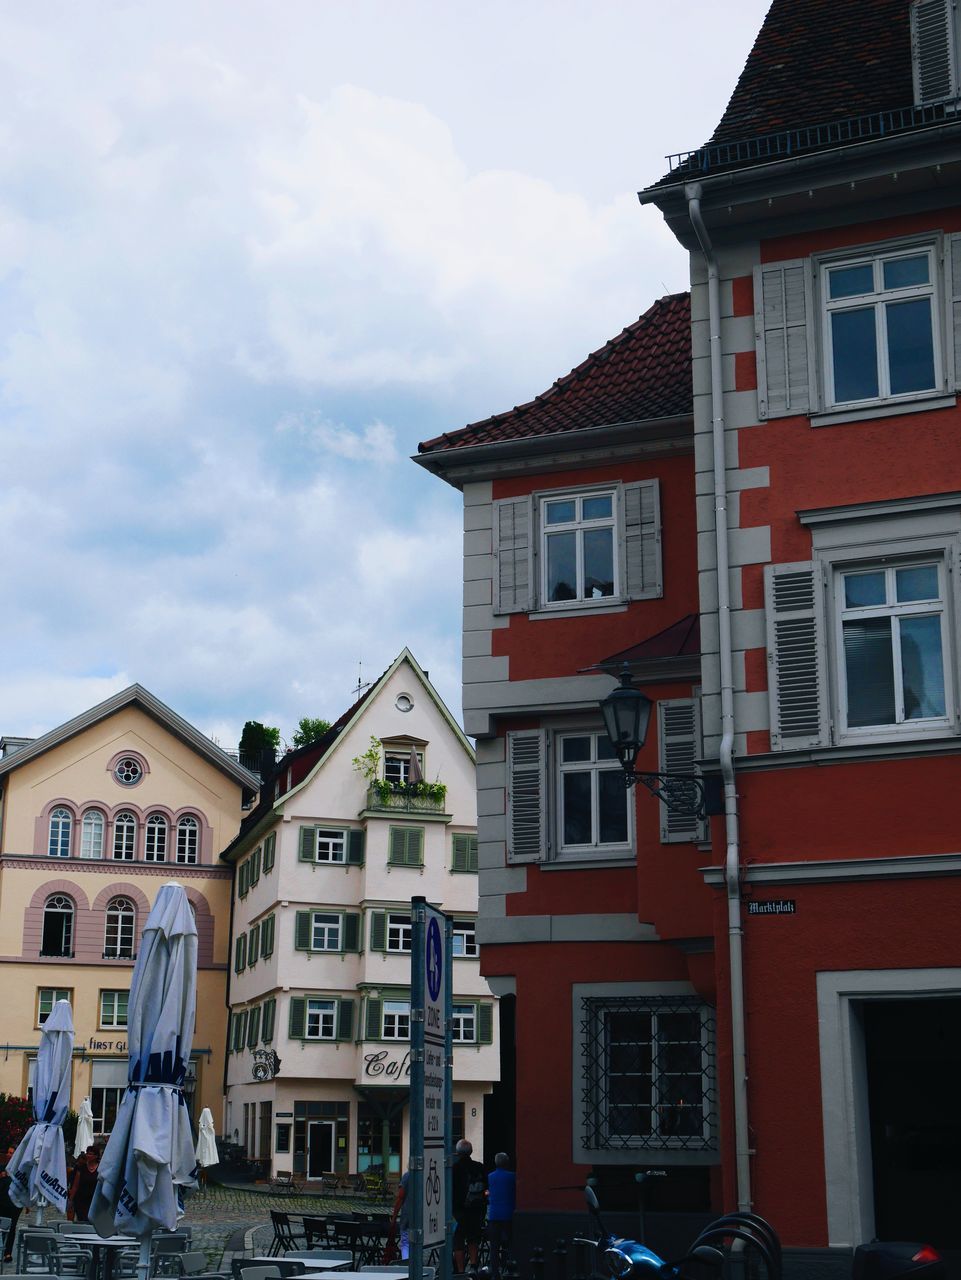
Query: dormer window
(934, 50)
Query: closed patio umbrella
(38, 1167)
(84, 1128)
(150, 1154)
(206, 1151)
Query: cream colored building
(326, 867)
(94, 817)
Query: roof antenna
(361, 686)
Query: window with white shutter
(797, 658)
(783, 329)
(934, 50)
(679, 749)
(526, 787)
(512, 555)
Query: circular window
(128, 771)
(404, 703)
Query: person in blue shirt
(501, 1192)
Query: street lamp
(627, 715)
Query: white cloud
(373, 443)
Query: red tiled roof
(821, 60)
(643, 373)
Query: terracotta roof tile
(643, 373)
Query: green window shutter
(302, 931)
(241, 1030)
(270, 844)
(374, 1018)
(270, 1010)
(485, 1023)
(231, 1033)
(356, 842)
(345, 1020)
(406, 847)
(255, 866)
(244, 877)
(464, 852)
(253, 945)
(267, 937)
(378, 931)
(240, 953)
(298, 1017)
(308, 844)
(351, 931)
(253, 1028)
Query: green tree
(258, 737)
(309, 729)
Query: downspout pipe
(732, 868)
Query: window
(321, 1015)
(405, 847)
(396, 1023)
(91, 834)
(124, 836)
(559, 550)
(119, 931)
(463, 852)
(267, 936)
(57, 938)
(270, 851)
(330, 845)
(188, 840)
(240, 953)
(398, 932)
(155, 838)
(47, 997)
(880, 327)
(464, 939)
(253, 945)
(318, 1018)
(282, 1143)
(647, 1074)
(128, 771)
(463, 1024)
(592, 798)
(61, 827)
(104, 1103)
(324, 931)
(270, 1012)
(113, 1009)
(397, 766)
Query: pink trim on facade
(33, 916)
(133, 755)
(84, 865)
(205, 843)
(205, 927)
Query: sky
(252, 252)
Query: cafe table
(105, 1250)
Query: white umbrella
(38, 1167)
(150, 1153)
(84, 1128)
(206, 1151)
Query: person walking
(501, 1198)
(84, 1183)
(468, 1199)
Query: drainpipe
(732, 877)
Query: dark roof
(682, 639)
(644, 373)
(815, 65)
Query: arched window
(61, 826)
(124, 836)
(188, 839)
(118, 935)
(155, 838)
(57, 939)
(91, 834)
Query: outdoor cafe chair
(255, 1271)
(76, 1228)
(42, 1253)
(190, 1264)
(315, 1228)
(284, 1235)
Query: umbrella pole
(143, 1263)
(38, 1220)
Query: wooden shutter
(240, 953)
(405, 847)
(253, 1028)
(374, 1018)
(241, 1037)
(351, 931)
(297, 1019)
(270, 1011)
(485, 1023)
(796, 655)
(243, 877)
(526, 796)
(513, 558)
(933, 53)
(378, 931)
(345, 1019)
(464, 854)
(308, 844)
(270, 844)
(356, 843)
(302, 931)
(679, 747)
(267, 937)
(784, 336)
(232, 1033)
(253, 946)
(255, 866)
(641, 540)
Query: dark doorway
(500, 1132)
(913, 1058)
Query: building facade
(380, 810)
(96, 815)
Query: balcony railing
(405, 798)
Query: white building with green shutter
(347, 831)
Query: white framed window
(155, 838)
(325, 931)
(188, 840)
(398, 931)
(58, 919)
(331, 845)
(92, 827)
(464, 939)
(128, 771)
(396, 1020)
(113, 1010)
(881, 332)
(463, 1023)
(61, 829)
(593, 809)
(119, 929)
(321, 1019)
(124, 836)
(579, 560)
(892, 640)
(47, 997)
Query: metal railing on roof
(792, 142)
